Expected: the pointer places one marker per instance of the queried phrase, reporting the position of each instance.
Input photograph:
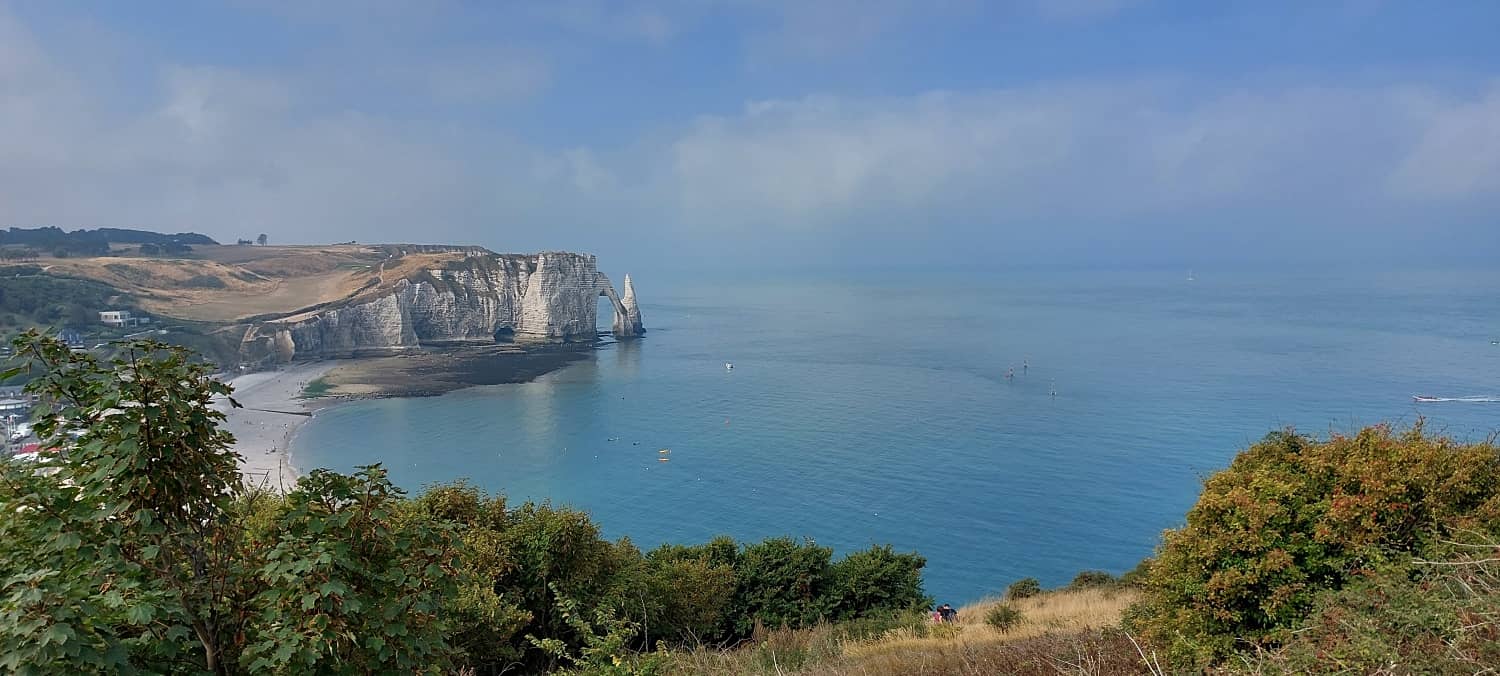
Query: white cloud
(1086, 153)
(1457, 155)
(211, 103)
(230, 153)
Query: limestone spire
(632, 311)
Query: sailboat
(1191, 278)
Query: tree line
(83, 242)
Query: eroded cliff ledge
(477, 298)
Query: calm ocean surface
(875, 408)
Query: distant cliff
(546, 297)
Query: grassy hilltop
(229, 283)
(134, 548)
(200, 292)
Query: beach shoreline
(273, 405)
(271, 411)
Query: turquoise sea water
(874, 408)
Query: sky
(745, 133)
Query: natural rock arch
(627, 321)
(546, 297)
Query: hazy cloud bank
(233, 152)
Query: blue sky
(730, 132)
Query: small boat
(1422, 398)
(665, 451)
(663, 459)
(1191, 278)
(728, 366)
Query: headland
(402, 320)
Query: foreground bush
(1003, 616)
(132, 545)
(1023, 588)
(1293, 518)
(347, 585)
(1089, 579)
(1426, 617)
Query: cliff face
(550, 296)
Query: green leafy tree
(1420, 617)
(137, 491)
(132, 546)
(485, 621)
(684, 597)
(876, 579)
(605, 646)
(67, 591)
(1293, 517)
(349, 587)
(781, 584)
(1023, 588)
(556, 549)
(1093, 579)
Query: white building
(121, 318)
(9, 407)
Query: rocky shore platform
(435, 371)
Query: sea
(1029, 422)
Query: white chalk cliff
(627, 313)
(551, 296)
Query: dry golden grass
(1061, 632)
(251, 280)
(1053, 612)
